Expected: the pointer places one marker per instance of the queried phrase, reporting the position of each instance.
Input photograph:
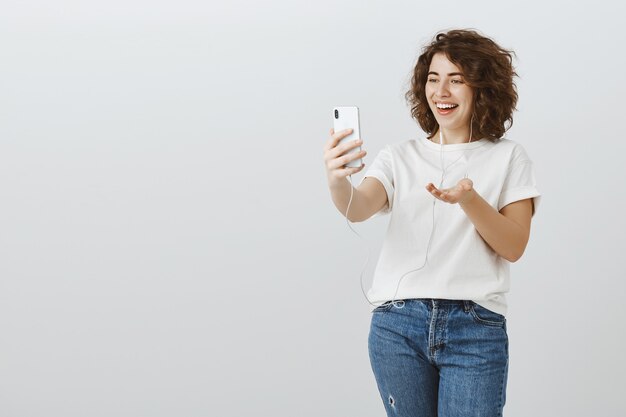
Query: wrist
(469, 197)
(338, 183)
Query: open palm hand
(461, 193)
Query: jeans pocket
(485, 316)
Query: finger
(344, 172)
(435, 195)
(345, 159)
(350, 170)
(327, 145)
(336, 137)
(344, 148)
(434, 191)
(431, 188)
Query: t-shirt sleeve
(520, 182)
(382, 169)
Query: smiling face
(449, 97)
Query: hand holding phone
(341, 153)
(348, 118)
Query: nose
(442, 90)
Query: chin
(448, 125)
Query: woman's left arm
(506, 232)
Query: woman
(438, 343)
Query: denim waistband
(433, 302)
(438, 302)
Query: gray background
(168, 245)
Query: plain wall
(168, 245)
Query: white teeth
(446, 106)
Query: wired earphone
(400, 303)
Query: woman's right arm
(368, 198)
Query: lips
(444, 112)
(444, 108)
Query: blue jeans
(434, 357)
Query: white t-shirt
(460, 264)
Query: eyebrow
(449, 74)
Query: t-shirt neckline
(453, 146)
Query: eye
(432, 80)
(457, 81)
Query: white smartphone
(347, 117)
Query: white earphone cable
(400, 303)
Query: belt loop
(466, 305)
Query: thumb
(466, 183)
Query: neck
(453, 136)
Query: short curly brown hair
(486, 67)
